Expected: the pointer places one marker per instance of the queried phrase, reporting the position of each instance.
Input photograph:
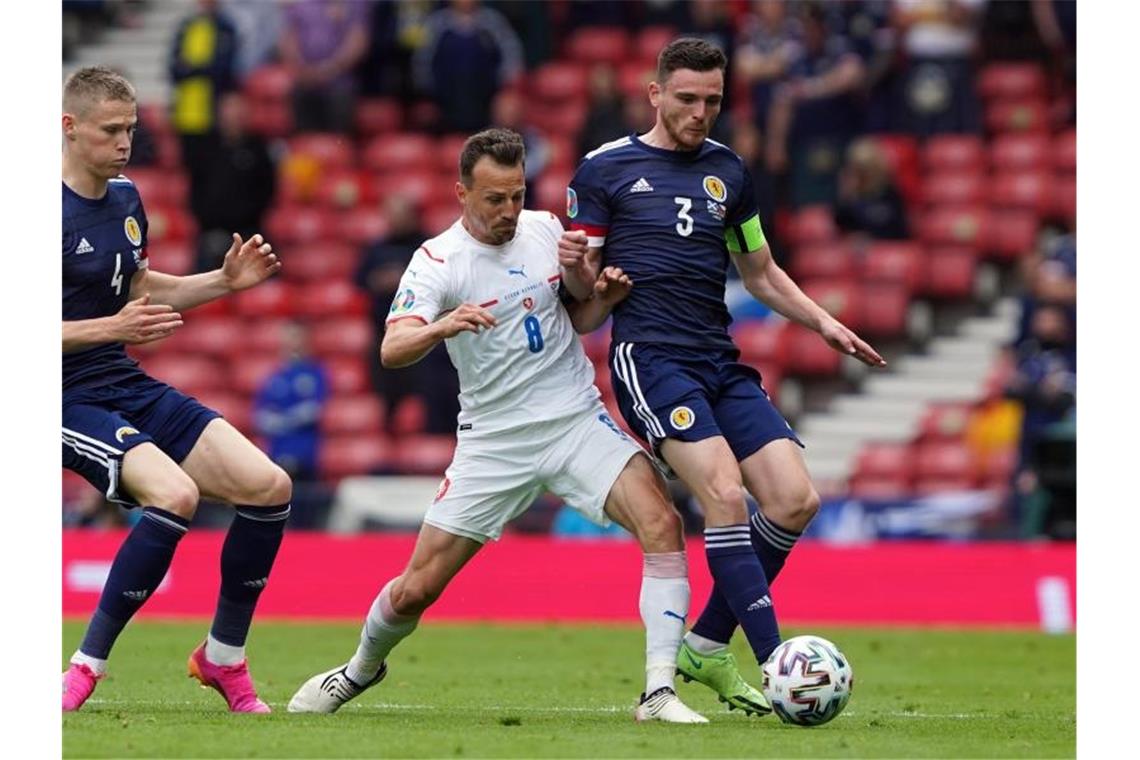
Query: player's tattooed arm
(408, 339)
(611, 287)
(580, 264)
(138, 322)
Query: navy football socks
(739, 578)
(247, 556)
(138, 569)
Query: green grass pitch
(568, 691)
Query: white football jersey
(531, 366)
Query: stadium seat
(1013, 234)
(901, 153)
(360, 414)
(346, 188)
(345, 336)
(158, 186)
(1017, 117)
(812, 224)
(274, 298)
(399, 151)
(884, 309)
(809, 355)
(409, 416)
(949, 272)
(943, 460)
(438, 218)
(551, 192)
(651, 40)
(334, 298)
(248, 373)
(237, 409)
(835, 259)
(1064, 151)
(154, 117)
(270, 119)
(1011, 81)
(1026, 190)
(931, 486)
(875, 487)
(633, 78)
(945, 421)
(172, 257)
(954, 187)
(361, 226)
(557, 81)
(885, 460)
(378, 116)
(169, 223)
(954, 152)
(189, 374)
(421, 184)
(594, 44)
(424, 454)
(219, 337)
(344, 455)
(331, 260)
(447, 153)
(289, 225)
(271, 82)
(263, 336)
(1064, 200)
(330, 150)
(841, 298)
(563, 154)
(889, 261)
(1013, 152)
(762, 341)
(564, 118)
(962, 226)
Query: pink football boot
(231, 681)
(78, 683)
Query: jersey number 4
(685, 226)
(117, 277)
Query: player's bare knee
(724, 502)
(413, 597)
(270, 486)
(179, 498)
(794, 509)
(661, 530)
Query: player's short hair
(94, 84)
(504, 146)
(689, 53)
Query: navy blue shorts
(102, 424)
(691, 394)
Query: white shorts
(495, 477)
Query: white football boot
(326, 692)
(665, 705)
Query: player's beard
(679, 131)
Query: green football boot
(719, 673)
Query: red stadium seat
(399, 151)
(1017, 116)
(362, 414)
(274, 298)
(945, 421)
(154, 117)
(901, 153)
(961, 226)
(551, 192)
(885, 487)
(634, 76)
(931, 486)
(763, 341)
(422, 185)
(263, 336)
(330, 150)
(169, 223)
(1064, 151)
(901, 262)
(943, 460)
(346, 455)
(949, 272)
(378, 116)
(593, 44)
(884, 309)
(1020, 152)
(841, 299)
(812, 224)
(1013, 234)
(348, 336)
(834, 259)
(270, 119)
(808, 354)
(558, 81)
(895, 460)
(439, 218)
(565, 118)
(563, 153)
(189, 374)
(447, 153)
(360, 226)
(424, 454)
(954, 152)
(651, 40)
(956, 187)
(291, 225)
(269, 83)
(1011, 81)
(235, 408)
(1026, 190)
(409, 416)
(248, 374)
(172, 257)
(158, 186)
(346, 188)
(220, 337)
(334, 298)
(1064, 200)
(331, 260)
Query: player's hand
(248, 263)
(466, 317)
(843, 340)
(140, 321)
(572, 249)
(612, 286)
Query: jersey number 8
(533, 334)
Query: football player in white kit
(530, 420)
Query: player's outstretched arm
(580, 264)
(611, 287)
(138, 322)
(247, 263)
(407, 340)
(771, 285)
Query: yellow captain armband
(745, 237)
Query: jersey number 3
(685, 226)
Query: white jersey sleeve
(425, 289)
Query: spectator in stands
(770, 44)
(259, 26)
(605, 120)
(709, 21)
(233, 185)
(202, 67)
(869, 202)
(1050, 278)
(322, 43)
(935, 92)
(748, 143)
(470, 54)
(287, 407)
(508, 111)
(815, 112)
(382, 263)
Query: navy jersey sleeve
(588, 202)
(742, 230)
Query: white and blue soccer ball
(807, 680)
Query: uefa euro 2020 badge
(403, 301)
(571, 203)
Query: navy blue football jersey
(104, 245)
(669, 219)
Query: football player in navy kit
(139, 441)
(671, 208)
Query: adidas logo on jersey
(84, 246)
(641, 186)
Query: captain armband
(745, 237)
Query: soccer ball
(807, 680)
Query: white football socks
(223, 654)
(664, 606)
(98, 667)
(383, 629)
(703, 645)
